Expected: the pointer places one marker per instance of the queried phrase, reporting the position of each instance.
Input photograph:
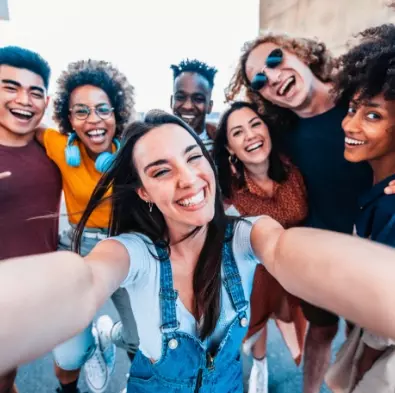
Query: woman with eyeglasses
(94, 102)
(187, 267)
(256, 180)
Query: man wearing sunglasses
(30, 183)
(191, 99)
(295, 74)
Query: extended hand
(390, 189)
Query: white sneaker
(96, 372)
(259, 377)
(104, 325)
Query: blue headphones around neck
(73, 155)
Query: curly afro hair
(368, 68)
(197, 67)
(102, 75)
(312, 52)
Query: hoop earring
(232, 163)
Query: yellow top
(78, 182)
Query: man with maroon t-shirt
(30, 185)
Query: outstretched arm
(58, 295)
(350, 276)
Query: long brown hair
(131, 214)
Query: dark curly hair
(17, 57)
(368, 68)
(312, 52)
(197, 67)
(102, 75)
(278, 170)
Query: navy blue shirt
(376, 219)
(316, 147)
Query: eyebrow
(163, 161)
(17, 84)
(86, 105)
(249, 122)
(253, 119)
(370, 104)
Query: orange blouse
(287, 205)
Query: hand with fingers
(390, 189)
(5, 174)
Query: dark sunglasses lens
(259, 81)
(275, 58)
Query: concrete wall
(332, 21)
(4, 15)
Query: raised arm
(57, 296)
(350, 276)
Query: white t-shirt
(143, 284)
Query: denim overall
(185, 365)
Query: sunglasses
(82, 112)
(274, 59)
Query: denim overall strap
(232, 279)
(167, 294)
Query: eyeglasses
(274, 59)
(82, 112)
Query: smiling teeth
(196, 199)
(286, 84)
(351, 141)
(96, 132)
(188, 117)
(22, 112)
(254, 146)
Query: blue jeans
(73, 353)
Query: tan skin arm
(350, 276)
(40, 134)
(56, 295)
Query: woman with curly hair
(93, 104)
(366, 363)
(296, 76)
(256, 180)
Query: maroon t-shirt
(26, 197)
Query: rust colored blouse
(287, 205)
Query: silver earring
(150, 206)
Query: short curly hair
(368, 68)
(197, 67)
(314, 53)
(102, 75)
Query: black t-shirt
(316, 147)
(29, 201)
(376, 217)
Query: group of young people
(198, 232)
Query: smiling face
(176, 177)
(191, 100)
(23, 102)
(248, 137)
(94, 132)
(370, 129)
(289, 84)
